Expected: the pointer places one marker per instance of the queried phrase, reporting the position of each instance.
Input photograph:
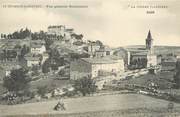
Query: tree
(54, 67)
(42, 90)
(170, 106)
(78, 43)
(15, 35)
(42, 35)
(62, 72)
(24, 50)
(75, 56)
(45, 67)
(178, 65)
(9, 36)
(85, 85)
(22, 34)
(35, 70)
(59, 37)
(17, 81)
(177, 79)
(56, 59)
(48, 42)
(54, 54)
(2, 36)
(76, 36)
(4, 55)
(177, 75)
(5, 36)
(25, 33)
(34, 36)
(99, 42)
(17, 46)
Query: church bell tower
(149, 41)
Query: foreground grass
(141, 112)
(123, 105)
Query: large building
(60, 30)
(143, 55)
(96, 67)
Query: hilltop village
(54, 62)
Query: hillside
(158, 49)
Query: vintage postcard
(90, 58)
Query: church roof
(140, 53)
(149, 35)
(103, 60)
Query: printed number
(150, 12)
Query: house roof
(36, 46)
(37, 42)
(101, 50)
(136, 50)
(140, 53)
(32, 58)
(10, 67)
(149, 35)
(170, 60)
(56, 26)
(70, 29)
(93, 44)
(104, 49)
(45, 54)
(103, 60)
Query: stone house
(95, 67)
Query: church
(142, 56)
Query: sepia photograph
(90, 58)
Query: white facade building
(96, 67)
(152, 60)
(93, 47)
(177, 56)
(30, 61)
(58, 30)
(45, 56)
(38, 49)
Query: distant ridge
(158, 49)
(156, 46)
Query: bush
(42, 90)
(18, 81)
(85, 85)
(70, 93)
(62, 72)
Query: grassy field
(2, 89)
(50, 82)
(108, 105)
(114, 113)
(162, 79)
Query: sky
(114, 22)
